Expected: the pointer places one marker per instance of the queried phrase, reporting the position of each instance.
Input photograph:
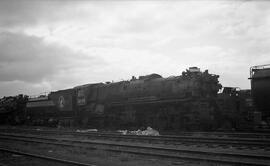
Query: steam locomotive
(187, 102)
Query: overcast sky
(52, 45)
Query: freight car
(260, 87)
(12, 109)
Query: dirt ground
(93, 156)
(86, 155)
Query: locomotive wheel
(85, 121)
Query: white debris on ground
(124, 132)
(149, 131)
(86, 130)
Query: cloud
(30, 59)
(11, 88)
(55, 44)
(27, 13)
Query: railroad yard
(155, 83)
(51, 146)
(111, 123)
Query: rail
(64, 161)
(150, 150)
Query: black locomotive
(187, 102)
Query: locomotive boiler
(179, 102)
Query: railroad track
(229, 134)
(149, 150)
(262, 143)
(58, 160)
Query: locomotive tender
(178, 102)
